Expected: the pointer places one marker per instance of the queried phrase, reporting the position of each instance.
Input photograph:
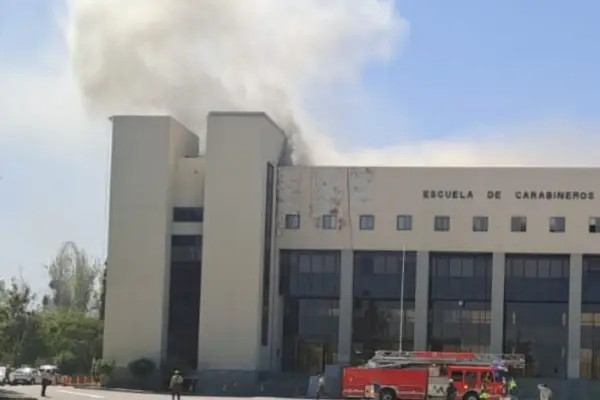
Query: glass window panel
(468, 266)
(538, 330)
(544, 268)
(530, 268)
(455, 266)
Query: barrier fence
(78, 380)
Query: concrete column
(344, 349)
(421, 300)
(497, 312)
(574, 342)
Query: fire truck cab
(426, 375)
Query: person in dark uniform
(176, 385)
(451, 390)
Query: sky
(505, 82)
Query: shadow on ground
(11, 394)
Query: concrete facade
(156, 167)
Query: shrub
(142, 369)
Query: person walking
(176, 385)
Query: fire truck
(426, 375)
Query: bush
(104, 367)
(142, 369)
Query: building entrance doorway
(312, 356)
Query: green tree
(21, 340)
(74, 333)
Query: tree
(20, 335)
(102, 298)
(72, 279)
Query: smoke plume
(189, 57)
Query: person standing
(451, 390)
(176, 385)
(545, 392)
(320, 386)
(46, 381)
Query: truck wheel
(387, 394)
(470, 396)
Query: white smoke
(189, 57)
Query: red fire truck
(425, 375)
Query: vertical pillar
(421, 300)
(497, 312)
(344, 349)
(574, 341)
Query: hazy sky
(504, 81)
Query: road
(67, 393)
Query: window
(518, 224)
(329, 222)
(456, 376)
(480, 224)
(404, 222)
(186, 248)
(366, 222)
(188, 214)
(557, 224)
(441, 223)
(267, 252)
(594, 225)
(292, 221)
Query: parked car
(24, 376)
(3, 377)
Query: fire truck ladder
(390, 358)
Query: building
(231, 263)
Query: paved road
(67, 393)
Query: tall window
(460, 295)
(184, 300)
(267, 240)
(536, 312)
(377, 307)
(310, 286)
(590, 318)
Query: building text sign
(456, 194)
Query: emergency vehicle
(425, 375)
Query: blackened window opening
(268, 237)
(184, 301)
